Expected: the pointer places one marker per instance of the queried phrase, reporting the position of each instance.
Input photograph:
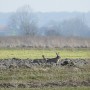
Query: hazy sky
(46, 5)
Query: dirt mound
(28, 63)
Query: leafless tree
(53, 29)
(23, 21)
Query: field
(45, 77)
(63, 88)
(37, 53)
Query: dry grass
(57, 88)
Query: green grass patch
(37, 53)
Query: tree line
(24, 22)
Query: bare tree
(75, 27)
(23, 21)
(53, 29)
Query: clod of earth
(28, 63)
